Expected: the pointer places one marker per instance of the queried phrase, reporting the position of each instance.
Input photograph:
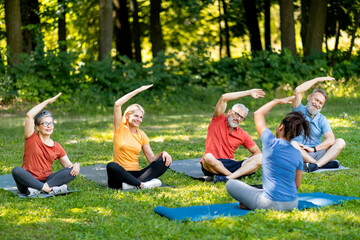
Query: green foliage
(178, 78)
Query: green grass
(96, 212)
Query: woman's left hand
(75, 169)
(166, 158)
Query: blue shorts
(229, 164)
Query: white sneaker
(126, 186)
(59, 190)
(153, 183)
(32, 192)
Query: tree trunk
(29, 19)
(353, 33)
(13, 29)
(336, 47)
(267, 25)
(305, 8)
(220, 31)
(156, 36)
(136, 29)
(106, 29)
(252, 24)
(227, 31)
(315, 27)
(122, 29)
(62, 25)
(287, 26)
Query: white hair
(242, 106)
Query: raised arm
(299, 90)
(226, 97)
(30, 115)
(121, 101)
(259, 115)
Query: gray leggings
(24, 179)
(253, 198)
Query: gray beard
(311, 109)
(231, 123)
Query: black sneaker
(311, 167)
(220, 178)
(332, 164)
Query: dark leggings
(117, 174)
(24, 179)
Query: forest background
(94, 51)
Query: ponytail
(296, 124)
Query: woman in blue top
(282, 163)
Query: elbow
(297, 91)
(28, 116)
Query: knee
(258, 159)
(340, 143)
(110, 166)
(230, 185)
(209, 158)
(16, 170)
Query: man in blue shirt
(316, 154)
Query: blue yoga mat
(208, 212)
(7, 183)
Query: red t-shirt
(221, 143)
(39, 157)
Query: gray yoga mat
(98, 173)
(192, 168)
(7, 183)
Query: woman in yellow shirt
(129, 140)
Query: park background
(95, 51)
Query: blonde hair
(131, 109)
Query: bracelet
(314, 149)
(77, 163)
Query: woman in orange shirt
(40, 152)
(129, 140)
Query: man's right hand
(256, 93)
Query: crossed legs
(329, 155)
(250, 165)
(24, 179)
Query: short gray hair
(319, 91)
(242, 106)
(41, 115)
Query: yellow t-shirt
(127, 147)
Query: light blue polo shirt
(279, 164)
(319, 125)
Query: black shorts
(229, 164)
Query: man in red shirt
(225, 136)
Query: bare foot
(243, 206)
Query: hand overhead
(323, 79)
(256, 93)
(286, 100)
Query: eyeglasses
(47, 124)
(237, 115)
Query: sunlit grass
(96, 212)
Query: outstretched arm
(29, 120)
(121, 101)
(226, 97)
(259, 115)
(299, 90)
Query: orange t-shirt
(127, 147)
(221, 143)
(39, 157)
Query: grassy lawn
(96, 212)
